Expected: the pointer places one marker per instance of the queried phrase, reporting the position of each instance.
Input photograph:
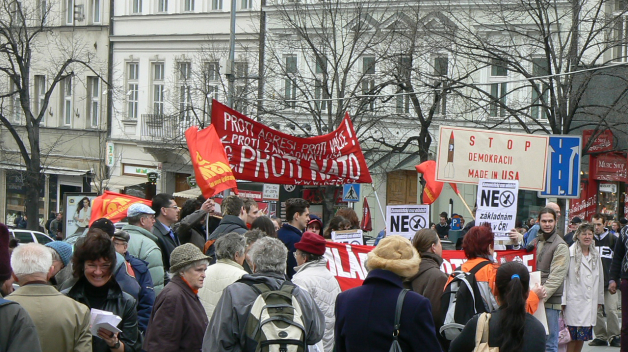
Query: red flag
(211, 166)
(366, 224)
(113, 206)
(454, 187)
(432, 187)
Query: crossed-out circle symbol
(417, 222)
(506, 199)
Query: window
(539, 89)
(69, 11)
(66, 86)
(247, 4)
(212, 71)
(40, 95)
(15, 8)
(162, 6)
(216, 4)
(498, 68)
(16, 108)
(43, 11)
(368, 81)
(619, 37)
(133, 89)
(188, 5)
(185, 97)
(320, 94)
(290, 93)
(185, 71)
(498, 99)
(402, 100)
(241, 69)
(321, 64)
(158, 88)
(441, 66)
(137, 6)
(95, 11)
(291, 63)
(368, 65)
(93, 99)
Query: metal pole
(230, 63)
(380, 206)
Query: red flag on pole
(367, 224)
(211, 166)
(113, 206)
(432, 187)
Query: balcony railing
(158, 127)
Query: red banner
(211, 169)
(259, 153)
(583, 207)
(603, 140)
(432, 188)
(113, 206)
(347, 262)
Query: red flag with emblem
(432, 188)
(366, 224)
(113, 206)
(211, 166)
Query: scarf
(578, 257)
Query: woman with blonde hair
(583, 290)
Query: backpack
(461, 300)
(275, 321)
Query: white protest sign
(271, 192)
(497, 206)
(347, 236)
(406, 220)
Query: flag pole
(465, 203)
(380, 205)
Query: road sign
(406, 220)
(351, 192)
(563, 167)
(497, 206)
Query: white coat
(315, 278)
(217, 278)
(581, 298)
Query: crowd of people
(193, 279)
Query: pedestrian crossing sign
(351, 193)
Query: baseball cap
(576, 220)
(139, 209)
(105, 225)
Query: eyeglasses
(173, 207)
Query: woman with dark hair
(265, 224)
(510, 328)
(350, 215)
(430, 280)
(93, 262)
(276, 222)
(337, 223)
(192, 227)
(83, 215)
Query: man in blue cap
(61, 255)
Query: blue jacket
(365, 317)
(290, 235)
(146, 294)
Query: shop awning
(119, 182)
(50, 170)
(189, 194)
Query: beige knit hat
(183, 255)
(396, 254)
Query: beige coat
(217, 278)
(62, 323)
(581, 298)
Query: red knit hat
(311, 243)
(5, 258)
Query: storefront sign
(271, 192)
(136, 170)
(348, 236)
(255, 195)
(192, 181)
(583, 207)
(406, 220)
(603, 140)
(152, 177)
(467, 155)
(608, 187)
(497, 206)
(111, 157)
(610, 167)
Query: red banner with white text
(347, 262)
(259, 153)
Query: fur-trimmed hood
(396, 254)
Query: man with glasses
(606, 329)
(143, 243)
(166, 214)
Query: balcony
(164, 128)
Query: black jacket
(119, 303)
(166, 244)
(619, 268)
(189, 229)
(229, 223)
(605, 244)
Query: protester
(529, 236)
(430, 280)
(313, 276)
(251, 237)
(619, 274)
(392, 261)
(139, 270)
(19, 221)
(17, 330)
(143, 244)
(53, 215)
(337, 223)
(573, 226)
(93, 263)
(61, 256)
(297, 214)
(315, 225)
(442, 228)
(166, 214)
(350, 215)
(552, 260)
(265, 224)
(252, 210)
(277, 221)
(510, 328)
(615, 227)
(56, 227)
(606, 328)
(233, 220)
(178, 321)
(584, 288)
(62, 323)
(191, 228)
(227, 270)
(228, 329)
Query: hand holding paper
(105, 320)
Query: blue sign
(563, 167)
(351, 192)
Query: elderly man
(61, 322)
(61, 255)
(233, 328)
(227, 270)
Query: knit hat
(139, 209)
(311, 243)
(63, 248)
(396, 254)
(105, 225)
(185, 254)
(5, 258)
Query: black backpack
(461, 301)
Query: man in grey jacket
(227, 329)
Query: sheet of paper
(103, 319)
(535, 277)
